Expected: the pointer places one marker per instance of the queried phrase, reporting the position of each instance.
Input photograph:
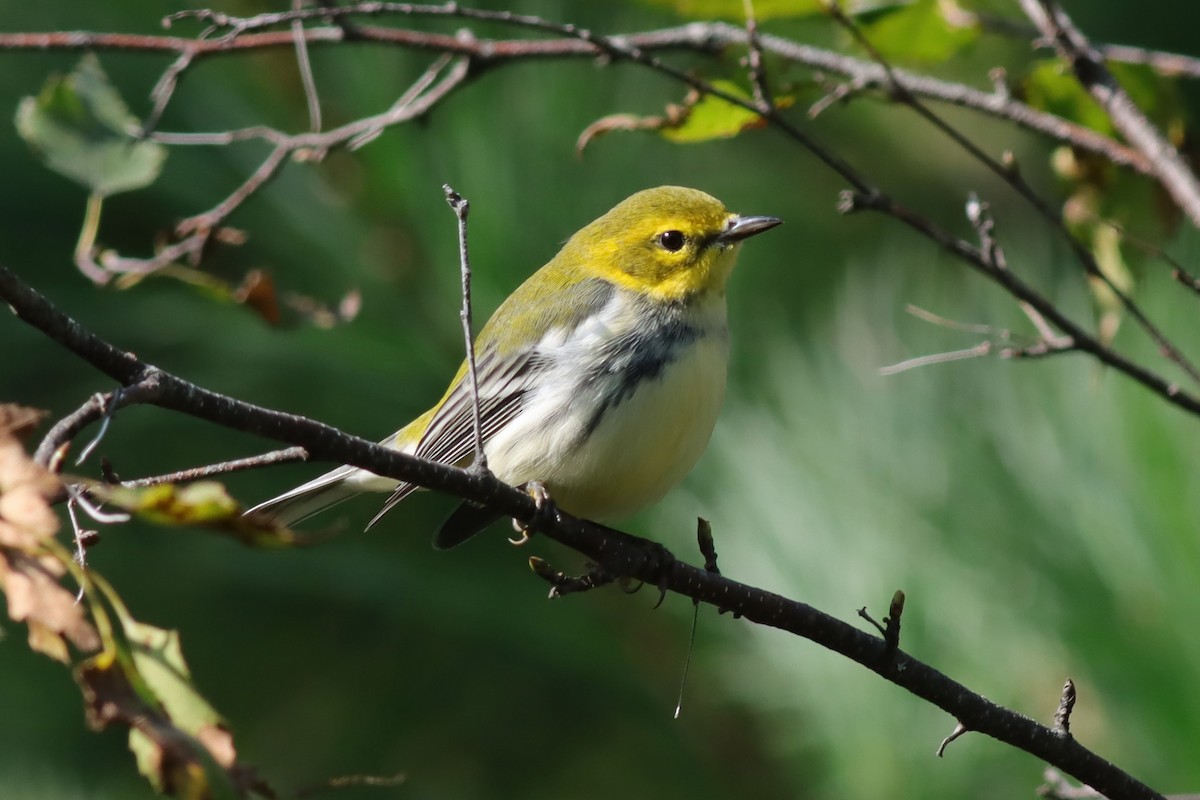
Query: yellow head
(670, 243)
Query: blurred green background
(1042, 517)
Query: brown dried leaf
(16, 469)
(219, 742)
(19, 421)
(107, 694)
(234, 237)
(48, 642)
(622, 122)
(258, 293)
(25, 507)
(34, 594)
(18, 538)
(350, 305)
(314, 312)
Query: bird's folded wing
(450, 436)
(506, 375)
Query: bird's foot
(546, 512)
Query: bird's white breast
(604, 430)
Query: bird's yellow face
(670, 243)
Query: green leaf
(141, 681)
(158, 657)
(1106, 247)
(917, 33)
(174, 758)
(204, 504)
(715, 118)
(82, 129)
(1050, 87)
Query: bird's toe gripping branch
(546, 512)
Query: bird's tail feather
(466, 521)
(297, 505)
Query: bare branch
(1169, 65)
(978, 351)
(1088, 65)
(286, 456)
(197, 230)
(461, 207)
(306, 74)
(164, 90)
(973, 257)
(700, 37)
(1009, 174)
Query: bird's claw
(546, 512)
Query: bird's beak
(739, 228)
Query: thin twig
(754, 58)
(978, 351)
(979, 214)
(197, 230)
(959, 730)
(1169, 65)
(81, 538)
(1186, 278)
(207, 221)
(306, 74)
(1081, 339)
(99, 406)
(955, 325)
(164, 90)
(85, 247)
(1066, 704)
(108, 410)
(285, 456)
(461, 206)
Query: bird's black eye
(671, 240)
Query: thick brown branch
(616, 552)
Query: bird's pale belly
(638, 450)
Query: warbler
(600, 377)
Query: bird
(600, 378)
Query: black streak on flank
(635, 357)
